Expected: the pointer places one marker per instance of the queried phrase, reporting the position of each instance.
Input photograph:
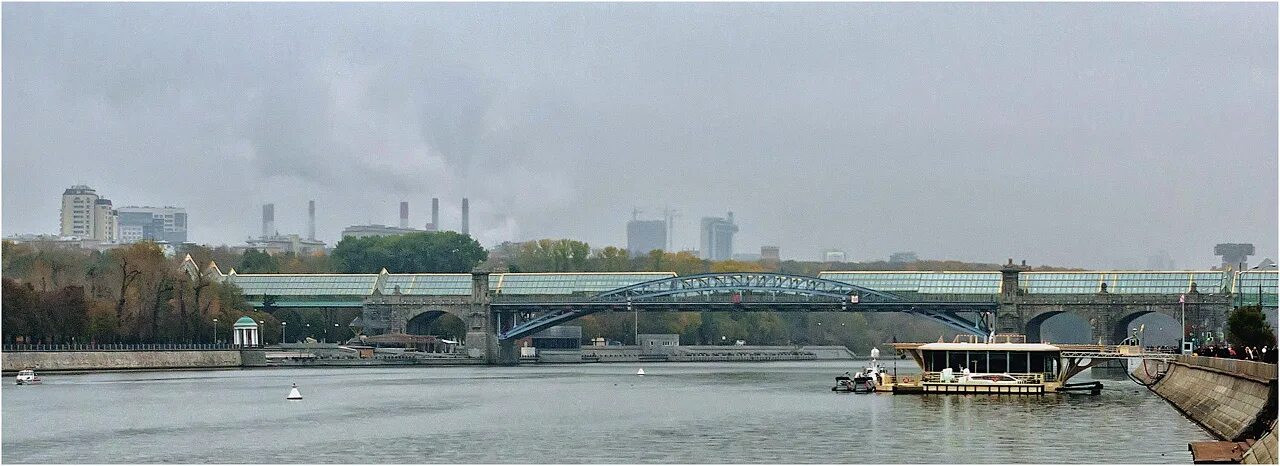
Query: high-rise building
(139, 223)
(106, 223)
(646, 235)
(834, 255)
(87, 216)
(717, 238)
(78, 211)
(770, 254)
(268, 220)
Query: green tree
(1247, 326)
(611, 259)
(255, 261)
(552, 255)
(426, 252)
(19, 311)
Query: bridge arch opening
(437, 323)
(1157, 328)
(1059, 327)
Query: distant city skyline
(1157, 260)
(1077, 135)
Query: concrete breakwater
(48, 361)
(1234, 400)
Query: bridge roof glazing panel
(1250, 282)
(567, 283)
(305, 284)
(435, 284)
(1122, 282)
(979, 283)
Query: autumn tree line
(135, 294)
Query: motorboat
(869, 380)
(28, 377)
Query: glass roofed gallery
(349, 290)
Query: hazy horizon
(1081, 135)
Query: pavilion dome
(246, 321)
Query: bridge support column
(1008, 316)
(482, 338)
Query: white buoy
(293, 393)
(640, 372)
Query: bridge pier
(508, 353)
(481, 332)
(1008, 317)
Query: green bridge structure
(499, 308)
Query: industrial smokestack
(311, 220)
(268, 220)
(404, 214)
(466, 217)
(435, 214)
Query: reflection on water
(677, 413)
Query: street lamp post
(282, 327)
(1182, 340)
(262, 337)
(335, 333)
(215, 331)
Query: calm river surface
(603, 413)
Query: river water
(781, 412)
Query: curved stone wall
(1232, 399)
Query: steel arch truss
(749, 292)
(755, 283)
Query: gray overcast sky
(1086, 135)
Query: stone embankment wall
(1263, 452)
(116, 360)
(1232, 399)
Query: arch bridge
(497, 308)
(737, 292)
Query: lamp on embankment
(215, 331)
(282, 324)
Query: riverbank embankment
(63, 361)
(333, 355)
(1234, 400)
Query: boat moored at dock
(1003, 364)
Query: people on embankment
(1265, 354)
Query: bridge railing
(119, 347)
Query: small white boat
(294, 394)
(28, 377)
(867, 381)
(640, 372)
